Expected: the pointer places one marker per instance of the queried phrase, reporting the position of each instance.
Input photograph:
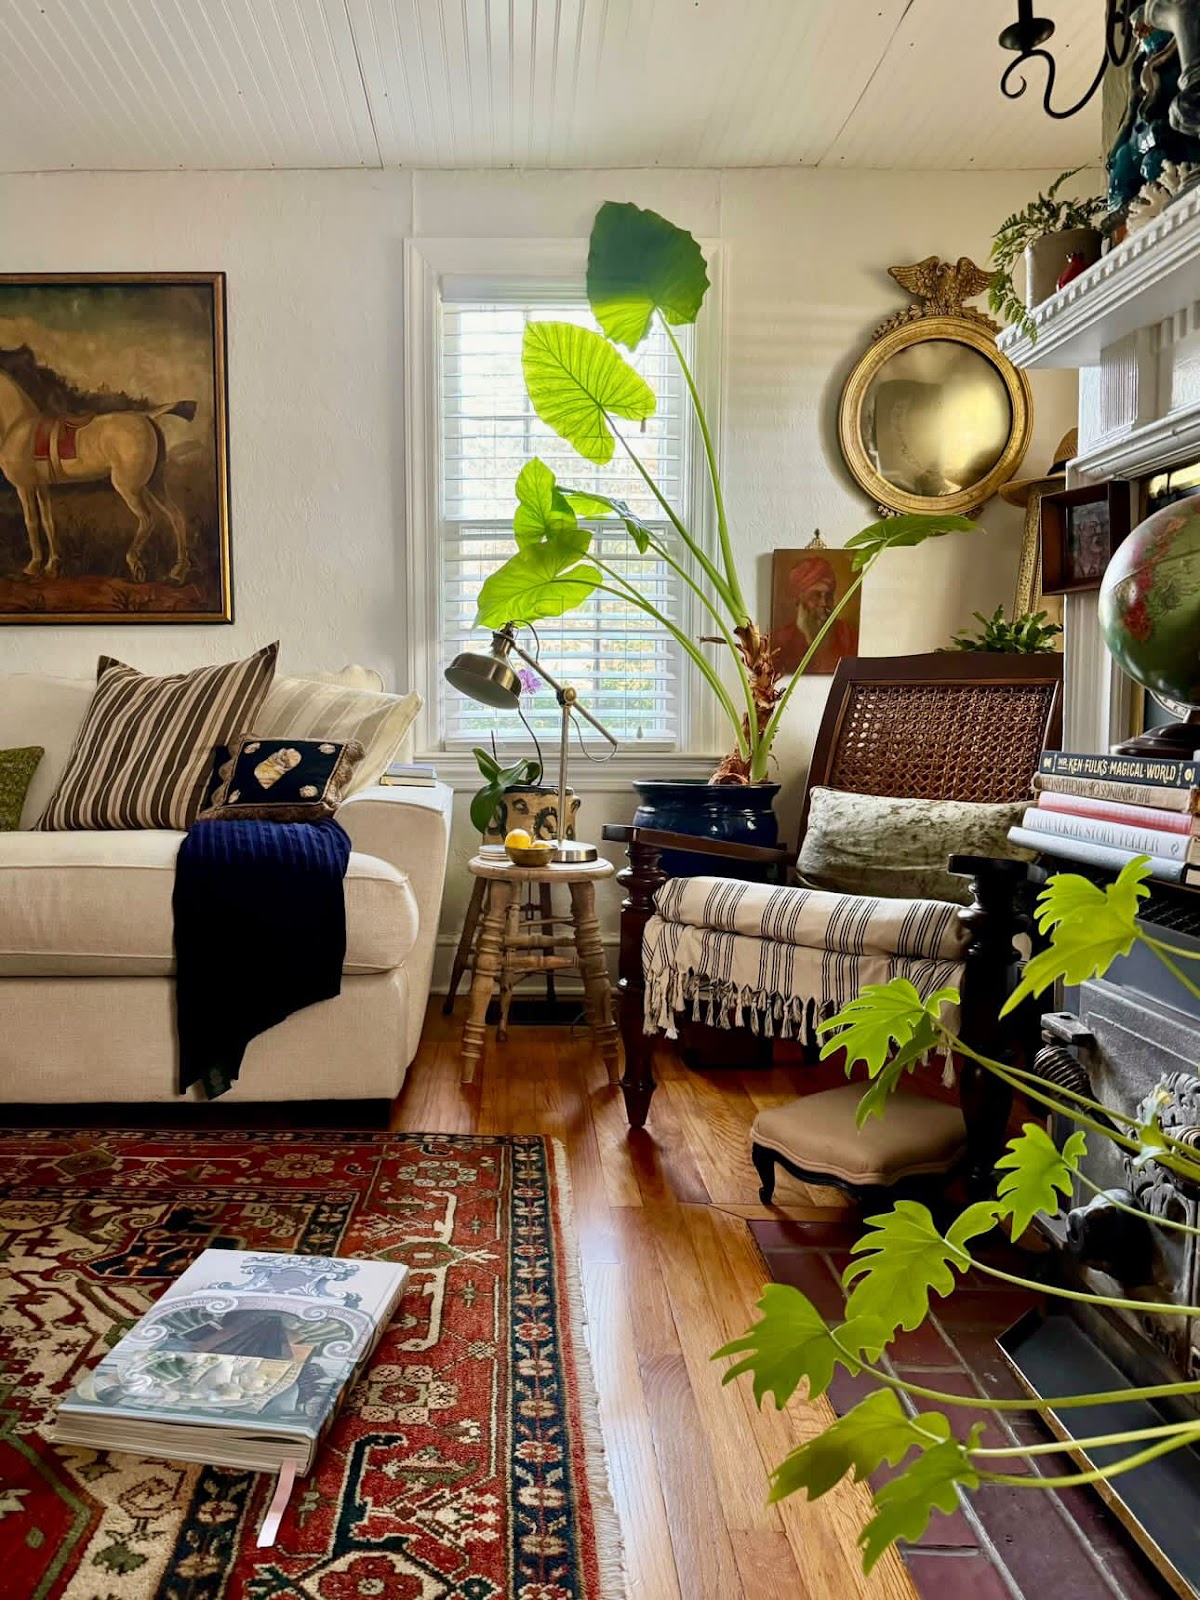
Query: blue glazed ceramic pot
(737, 813)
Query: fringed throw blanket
(260, 932)
(778, 960)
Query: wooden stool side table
(496, 961)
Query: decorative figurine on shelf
(1149, 138)
(1077, 262)
(1181, 18)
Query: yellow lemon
(518, 838)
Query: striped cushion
(304, 708)
(145, 750)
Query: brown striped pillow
(145, 750)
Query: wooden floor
(670, 1273)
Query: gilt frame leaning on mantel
(949, 388)
(114, 449)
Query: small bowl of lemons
(524, 851)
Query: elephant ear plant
(644, 273)
(904, 1258)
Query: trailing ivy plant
(1046, 213)
(643, 272)
(1028, 634)
(904, 1259)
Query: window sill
(458, 769)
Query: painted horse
(125, 447)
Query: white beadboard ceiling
(161, 84)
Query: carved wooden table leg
(487, 968)
(640, 879)
(508, 965)
(466, 940)
(546, 903)
(589, 951)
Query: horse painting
(113, 484)
(125, 447)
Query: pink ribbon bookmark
(279, 1502)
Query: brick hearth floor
(1004, 1543)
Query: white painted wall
(314, 263)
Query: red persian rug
(467, 1463)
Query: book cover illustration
(246, 1340)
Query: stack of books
(409, 775)
(1107, 810)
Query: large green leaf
(893, 532)
(790, 1341)
(543, 580)
(1091, 926)
(576, 380)
(906, 1059)
(904, 1259)
(639, 263)
(542, 507)
(883, 1015)
(1036, 1171)
(905, 1503)
(876, 1430)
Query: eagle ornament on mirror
(933, 418)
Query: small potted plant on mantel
(1057, 238)
(645, 272)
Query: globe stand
(1174, 741)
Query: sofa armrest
(410, 829)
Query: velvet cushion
(17, 768)
(894, 848)
(283, 780)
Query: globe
(1150, 605)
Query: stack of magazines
(1104, 811)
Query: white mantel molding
(1147, 278)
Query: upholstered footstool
(815, 1139)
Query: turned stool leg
(508, 974)
(466, 940)
(487, 967)
(546, 901)
(589, 951)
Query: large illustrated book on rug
(242, 1363)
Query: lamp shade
(488, 678)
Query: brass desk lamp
(493, 681)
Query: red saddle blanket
(55, 436)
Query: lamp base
(573, 852)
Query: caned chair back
(956, 725)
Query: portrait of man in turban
(806, 585)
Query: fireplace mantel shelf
(1149, 277)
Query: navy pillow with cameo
(281, 780)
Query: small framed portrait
(1080, 531)
(806, 585)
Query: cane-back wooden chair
(948, 726)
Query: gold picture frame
(952, 366)
(114, 448)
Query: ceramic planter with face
(533, 807)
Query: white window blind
(624, 665)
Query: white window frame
(545, 267)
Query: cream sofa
(86, 944)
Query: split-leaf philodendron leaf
(639, 263)
(576, 380)
(1036, 1171)
(883, 1015)
(903, 1259)
(790, 1341)
(905, 1503)
(1091, 927)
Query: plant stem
(739, 664)
(1102, 1440)
(1172, 967)
(743, 616)
(1065, 1402)
(710, 571)
(1163, 1307)
(1172, 949)
(1097, 1474)
(631, 597)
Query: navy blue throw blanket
(260, 932)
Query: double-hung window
(625, 666)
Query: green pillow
(897, 849)
(17, 768)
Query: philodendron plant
(904, 1258)
(644, 272)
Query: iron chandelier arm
(1029, 34)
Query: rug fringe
(610, 1549)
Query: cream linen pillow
(309, 708)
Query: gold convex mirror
(933, 417)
